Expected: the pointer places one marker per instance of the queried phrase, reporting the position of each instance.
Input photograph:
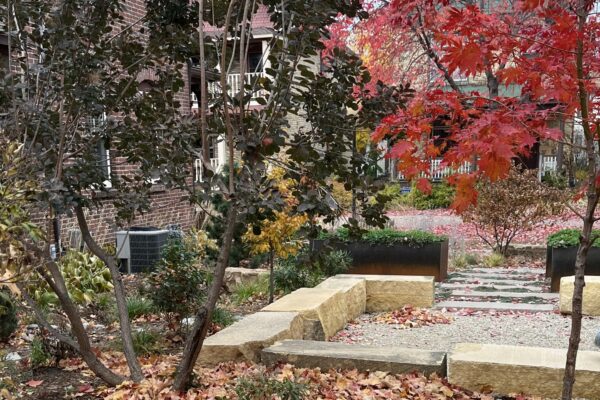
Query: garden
(299, 200)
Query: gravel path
(540, 330)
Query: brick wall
(167, 206)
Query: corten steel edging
(397, 259)
(561, 261)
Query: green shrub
(568, 238)
(301, 271)
(138, 306)
(8, 316)
(38, 357)
(85, 275)
(146, 342)
(288, 275)
(178, 284)
(494, 260)
(387, 237)
(441, 196)
(245, 291)
(263, 387)
(222, 317)
(555, 180)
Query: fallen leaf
(33, 383)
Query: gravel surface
(539, 329)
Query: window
(102, 152)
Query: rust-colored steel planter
(397, 259)
(560, 261)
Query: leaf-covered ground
(221, 383)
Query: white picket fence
(437, 173)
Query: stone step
(498, 282)
(488, 305)
(536, 371)
(476, 293)
(334, 355)
(530, 288)
(480, 275)
(507, 271)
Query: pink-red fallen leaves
(33, 383)
(410, 317)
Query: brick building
(169, 206)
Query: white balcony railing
(198, 168)
(436, 173)
(235, 82)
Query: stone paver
(484, 305)
(333, 355)
(530, 288)
(517, 295)
(325, 305)
(244, 340)
(500, 289)
(391, 292)
(497, 282)
(513, 369)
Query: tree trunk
(125, 325)
(194, 342)
(58, 286)
(586, 239)
(271, 277)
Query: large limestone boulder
(325, 305)
(245, 339)
(391, 292)
(354, 294)
(534, 371)
(591, 295)
(243, 276)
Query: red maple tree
(548, 50)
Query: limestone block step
(498, 276)
(529, 288)
(354, 294)
(391, 292)
(591, 295)
(492, 293)
(534, 371)
(488, 305)
(244, 340)
(508, 271)
(325, 305)
(493, 281)
(334, 355)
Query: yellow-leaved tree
(277, 236)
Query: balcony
(234, 84)
(198, 168)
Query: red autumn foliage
(436, 44)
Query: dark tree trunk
(587, 238)
(194, 342)
(58, 286)
(125, 325)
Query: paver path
(500, 289)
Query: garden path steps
(499, 289)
